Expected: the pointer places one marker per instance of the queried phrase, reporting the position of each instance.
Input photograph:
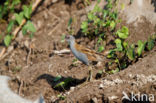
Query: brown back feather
(91, 54)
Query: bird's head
(70, 39)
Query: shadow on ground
(61, 84)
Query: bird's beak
(67, 37)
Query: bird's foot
(89, 78)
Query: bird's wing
(91, 54)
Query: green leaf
(84, 26)
(15, 2)
(101, 48)
(27, 10)
(74, 60)
(96, 31)
(141, 47)
(99, 40)
(63, 38)
(60, 96)
(112, 25)
(150, 44)
(114, 15)
(24, 30)
(123, 33)
(96, 21)
(57, 78)
(28, 27)
(111, 54)
(91, 16)
(10, 25)
(19, 17)
(108, 23)
(109, 6)
(105, 13)
(31, 35)
(70, 22)
(7, 40)
(125, 45)
(61, 84)
(100, 71)
(97, 8)
(114, 71)
(118, 45)
(131, 52)
(98, 1)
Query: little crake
(82, 53)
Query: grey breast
(82, 57)
(79, 55)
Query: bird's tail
(102, 56)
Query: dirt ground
(33, 71)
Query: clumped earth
(34, 69)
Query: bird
(83, 54)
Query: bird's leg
(89, 78)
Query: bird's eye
(67, 37)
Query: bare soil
(34, 70)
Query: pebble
(94, 100)
(72, 88)
(101, 86)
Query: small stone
(101, 86)
(94, 100)
(72, 88)
(99, 64)
(65, 72)
(112, 98)
(26, 43)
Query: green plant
(63, 83)
(114, 71)
(99, 21)
(7, 39)
(123, 33)
(150, 43)
(141, 47)
(131, 52)
(8, 7)
(61, 97)
(121, 50)
(57, 78)
(74, 62)
(63, 38)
